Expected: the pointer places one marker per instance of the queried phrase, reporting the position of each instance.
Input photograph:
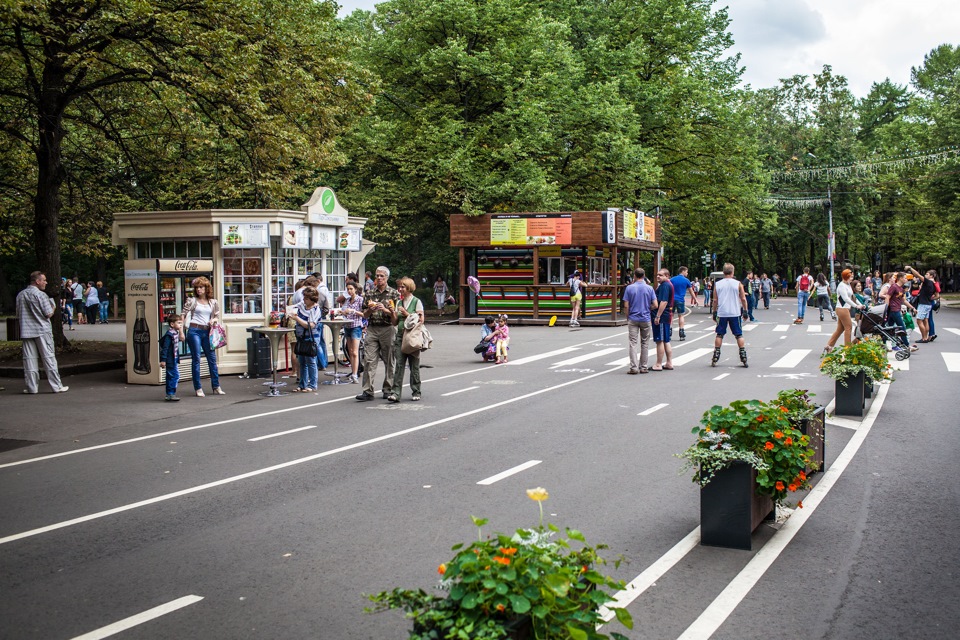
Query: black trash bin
(258, 355)
(13, 329)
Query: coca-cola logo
(140, 286)
(187, 265)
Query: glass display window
(194, 249)
(599, 271)
(283, 277)
(242, 281)
(557, 270)
(336, 272)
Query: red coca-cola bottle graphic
(141, 341)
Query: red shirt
(896, 297)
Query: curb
(68, 370)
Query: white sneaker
(219, 392)
(199, 393)
(62, 390)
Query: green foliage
(758, 433)
(496, 581)
(868, 356)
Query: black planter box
(850, 398)
(868, 388)
(814, 429)
(730, 509)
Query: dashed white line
(781, 327)
(653, 408)
(282, 433)
(681, 360)
(721, 376)
(510, 472)
(791, 360)
(952, 360)
(586, 356)
(814, 328)
(541, 356)
(750, 327)
(453, 393)
(140, 618)
(951, 330)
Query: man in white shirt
(729, 307)
(34, 309)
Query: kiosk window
(558, 269)
(337, 271)
(282, 276)
(195, 249)
(243, 280)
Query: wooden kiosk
(523, 262)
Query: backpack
(805, 282)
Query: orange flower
(768, 446)
(779, 486)
(508, 551)
(802, 475)
(442, 569)
(788, 441)
(792, 487)
(778, 434)
(800, 504)
(784, 409)
(500, 607)
(760, 418)
(501, 560)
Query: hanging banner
(609, 230)
(531, 229)
(630, 226)
(296, 236)
(244, 235)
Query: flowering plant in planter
(798, 404)
(532, 575)
(868, 356)
(755, 432)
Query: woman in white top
(200, 313)
(823, 296)
(845, 302)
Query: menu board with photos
(296, 236)
(244, 235)
(532, 229)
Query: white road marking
(679, 361)
(651, 574)
(541, 356)
(956, 331)
(814, 328)
(952, 361)
(898, 365)
(622, 362)
(781, 327)
(292, 463)
(282, 433)
(653, 409)
(586, 356)
(453, 393)
(734, 593)
(510, 472)
(791, 360)
(721, 376)
(140, 618)
(750, 327)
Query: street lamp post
(831, 242)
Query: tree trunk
(50, 176)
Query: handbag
(908, 321)
(306, 346)
(218, 336)
(481, 347)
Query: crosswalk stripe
(679, 361)
(653, 408)
(750, 327)
(587, 356)
(619, 363)
(791, 360)
(956, 331)
(781, 327)
(814, 328)
(952, 361)
(541, 356)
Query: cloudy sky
(864, 40)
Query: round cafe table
(274, 334)
(336, 325)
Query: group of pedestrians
(89, 303)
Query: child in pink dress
(502, 338)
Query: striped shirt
(34, 309)
(356, 304)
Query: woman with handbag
(201, 313)
(308, 316)
(406, 307)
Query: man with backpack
(804, 284)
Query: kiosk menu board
(531, 229)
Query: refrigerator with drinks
(154, 289)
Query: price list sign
(533, 229)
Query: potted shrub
(809, 419)
(747, 458)
(851, 366)
(531, 584)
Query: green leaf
(532, 593)
(575, 633)
(478, 522)
(576, 535)
(502, 588)
(624, 617)
(540, 612)
(469, 601)
(520, 604)
(489, 583)
(557, 583)
(457, 591)
(457, 546)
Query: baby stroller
(873, 321)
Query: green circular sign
(328, 201)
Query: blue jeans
(198, 340)
(173, 377)
(896, 317)
(802, 297)
(751, 303)
(308, 372)
(104, 305)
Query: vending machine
(154, 289)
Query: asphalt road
(129, 503)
